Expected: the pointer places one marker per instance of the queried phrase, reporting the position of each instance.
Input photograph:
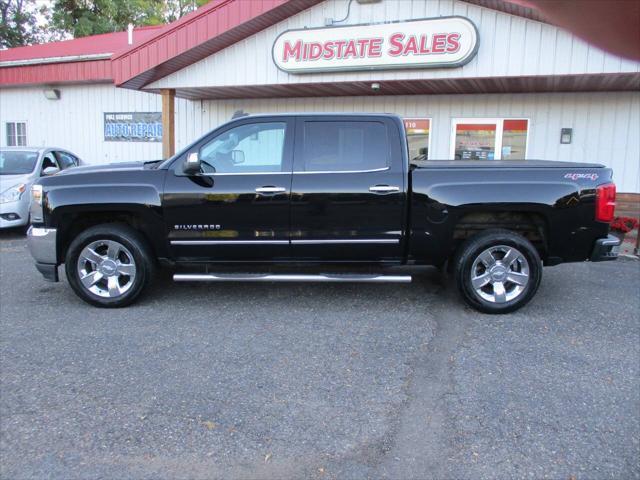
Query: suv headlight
(13, 194)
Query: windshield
(17, 162)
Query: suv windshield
(17, 162)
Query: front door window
(250, 148)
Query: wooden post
(168, 123)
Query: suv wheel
(108, 265)
(498, 271)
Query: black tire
(468, 259)
(134, 245)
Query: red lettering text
(396, 44)
(453, 42)
(438, 43)
(292, 51)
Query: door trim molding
(317, 172)
(346, 241)
(286, 242)
(229, 242)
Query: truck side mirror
(192, 164)
(237, 156)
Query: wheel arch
(70, 223)
(534, 226)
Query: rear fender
(566, 205)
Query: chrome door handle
(384, 189)
(270, 190)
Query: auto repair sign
(133, 127)
(427, 43)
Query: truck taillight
(605, 202)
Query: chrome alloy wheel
(106, 268)
(500, 274)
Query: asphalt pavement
(320, 381)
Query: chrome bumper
(606, 249)
(42, 245)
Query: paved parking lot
(320, 381)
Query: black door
(348, 197)
(237, 209)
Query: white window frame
(430, 132)
(498, 122)
(6, 132)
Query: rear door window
(344, 146)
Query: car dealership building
(473, 79)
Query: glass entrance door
(489, 139)
(475, 141)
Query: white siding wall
(509, 46)
(76, 121)
(606, 126)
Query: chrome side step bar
(268, 277)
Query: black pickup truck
(319, 197)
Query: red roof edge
(168, 28)
(57, 73)
(198, 35)
(78, 60)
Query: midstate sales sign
(427, 43)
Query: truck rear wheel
(108, 265)
(497, 271)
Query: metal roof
(82, 60)
(161, 50)
(209, 29)
(156, 52)
(104, 44)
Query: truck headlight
(13, 194)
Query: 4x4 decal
(577, 176)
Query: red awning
(200, 34)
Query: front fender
(67, 206)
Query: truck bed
(500, 164)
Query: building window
(489, 138)
(16, 134)
(514, 139)
(418, 137)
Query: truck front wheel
(497, 271)
(108, 265)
